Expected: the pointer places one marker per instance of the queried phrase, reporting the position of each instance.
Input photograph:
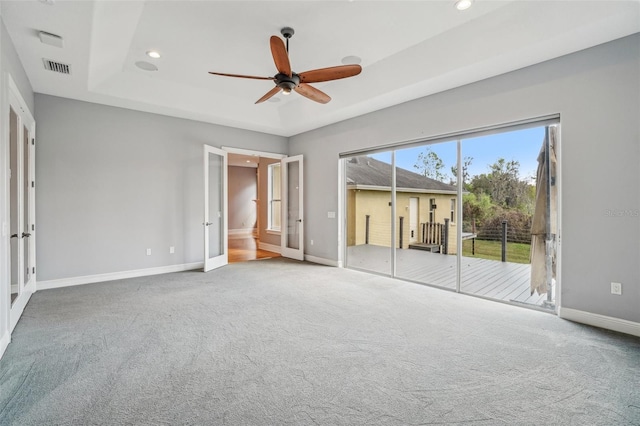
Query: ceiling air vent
(56, 66)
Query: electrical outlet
(311, 242)
(148, 252)
(172, 250)
(616, 288)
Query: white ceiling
(409, 49)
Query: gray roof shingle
(363, 170)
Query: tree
(466, 163)
(503, 185)
(429, 164)
(476, 209)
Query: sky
(521, 145)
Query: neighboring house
(421, 203)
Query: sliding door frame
(458, 137)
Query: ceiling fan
(287, 80)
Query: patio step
(433, 248)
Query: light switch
(331, 215)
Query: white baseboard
(4, 342)
(242, 232)
(602, 321)
(110, 276)
(321, 260)
(269, 247)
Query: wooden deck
(488, 278)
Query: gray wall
(597, 93)
(113, 182)
(11, 64)
(243, 192)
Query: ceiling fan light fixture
(463, 4)
(286, 80)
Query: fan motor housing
(285, 82)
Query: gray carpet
(278, 342)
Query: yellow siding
(351, 217)
(361, 203)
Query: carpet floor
(279, 342)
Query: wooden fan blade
(241, 76)
(280, 55)
(312, 93)
(269, 94)
(331, 73)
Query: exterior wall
(376, 204)
(352, 230)
(442, 211)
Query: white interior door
(21, 203)
(215, 208)
(292, 225)
(413, 219)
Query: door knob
(14, 235)
(25, 234)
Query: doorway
(254, 187)
(245, 209)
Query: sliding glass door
(510, 216)
(476, 215)
(369, 212)
(426, 225)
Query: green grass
(516, 252)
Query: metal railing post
(504, 240)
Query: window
(273, 210)
(453, 210)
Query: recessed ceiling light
(153, 54)
(463, 4)
(147, 66)
(351, 60)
